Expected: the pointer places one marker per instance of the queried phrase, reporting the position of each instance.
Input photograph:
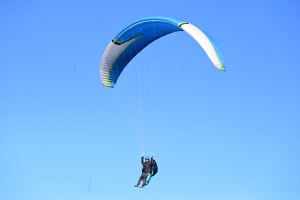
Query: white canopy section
(208, 45)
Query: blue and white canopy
(134, 38)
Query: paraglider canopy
(135, 37)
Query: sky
(215, 135)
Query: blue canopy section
(142, 33)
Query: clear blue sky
(229, 136)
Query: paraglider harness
(154, 171)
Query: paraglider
(149, 170)
(135, 37)
(129, 43)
